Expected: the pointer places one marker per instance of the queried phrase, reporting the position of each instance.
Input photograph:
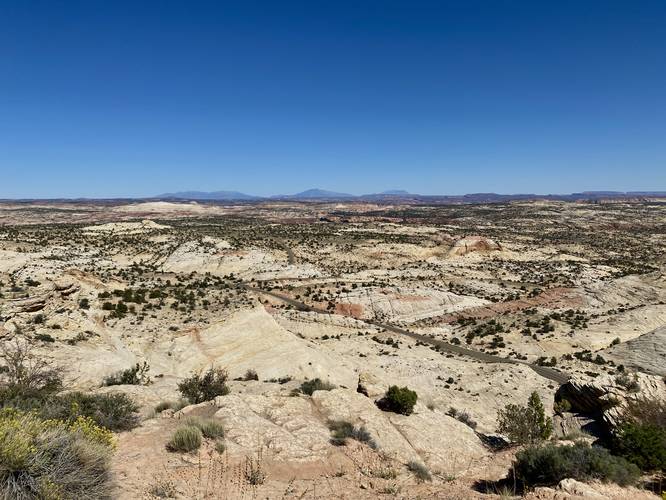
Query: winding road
(544, 371)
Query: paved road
(291, 258)
(544, 371)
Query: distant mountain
(396, 192)
(392, 195)
(214, 195)
(315, 194)
(402, 196)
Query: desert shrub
(641, 437)
(53, 459)
(220, 447)
(44, 337)
(250, 375)
(467, 419)
(310, 386)
(173, 405)
(114, 411)
(562, 406)
(120, 310)
(30, 383)
(525, 424)
(199, 388)
(209, 427)
(163, 487)
(643, 445)
(646, 411)
(630, 383)
(546, 465)
(398, 400)
(163, 405)
(281, 380)
(25, 374)
(254, 470)
(463, 417)
(136, 375)
(419, 470)
(343, 430)
(185, 439)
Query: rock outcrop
(646, 352)
(369, 385)
(37, 302)
(27, 305)
(470, 244)
(295, 429)
(569, 424)
(605, 398)
(570, 489)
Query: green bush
(209, 427)
(185, 439)
(163, 405)
(173, 405)
(398, 400)
(114, 411)
(44, 337)
(641, 437)
(310, 386)
(199, 388)
(525, 424)
(31, 384)
(53, 459)
(643, 445)
(136, 375)
(220, 446)
(547, 465)
(343, 430)
(562, 406)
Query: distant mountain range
(202, 195)
(315, 194)
(399, 195)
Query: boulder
(569, 424)
(578, 489)
(369, 385)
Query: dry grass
(215, 476)
(187, 438)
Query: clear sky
(132, 98)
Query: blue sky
(139, 98)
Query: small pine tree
(544, 426)
(525, 424)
